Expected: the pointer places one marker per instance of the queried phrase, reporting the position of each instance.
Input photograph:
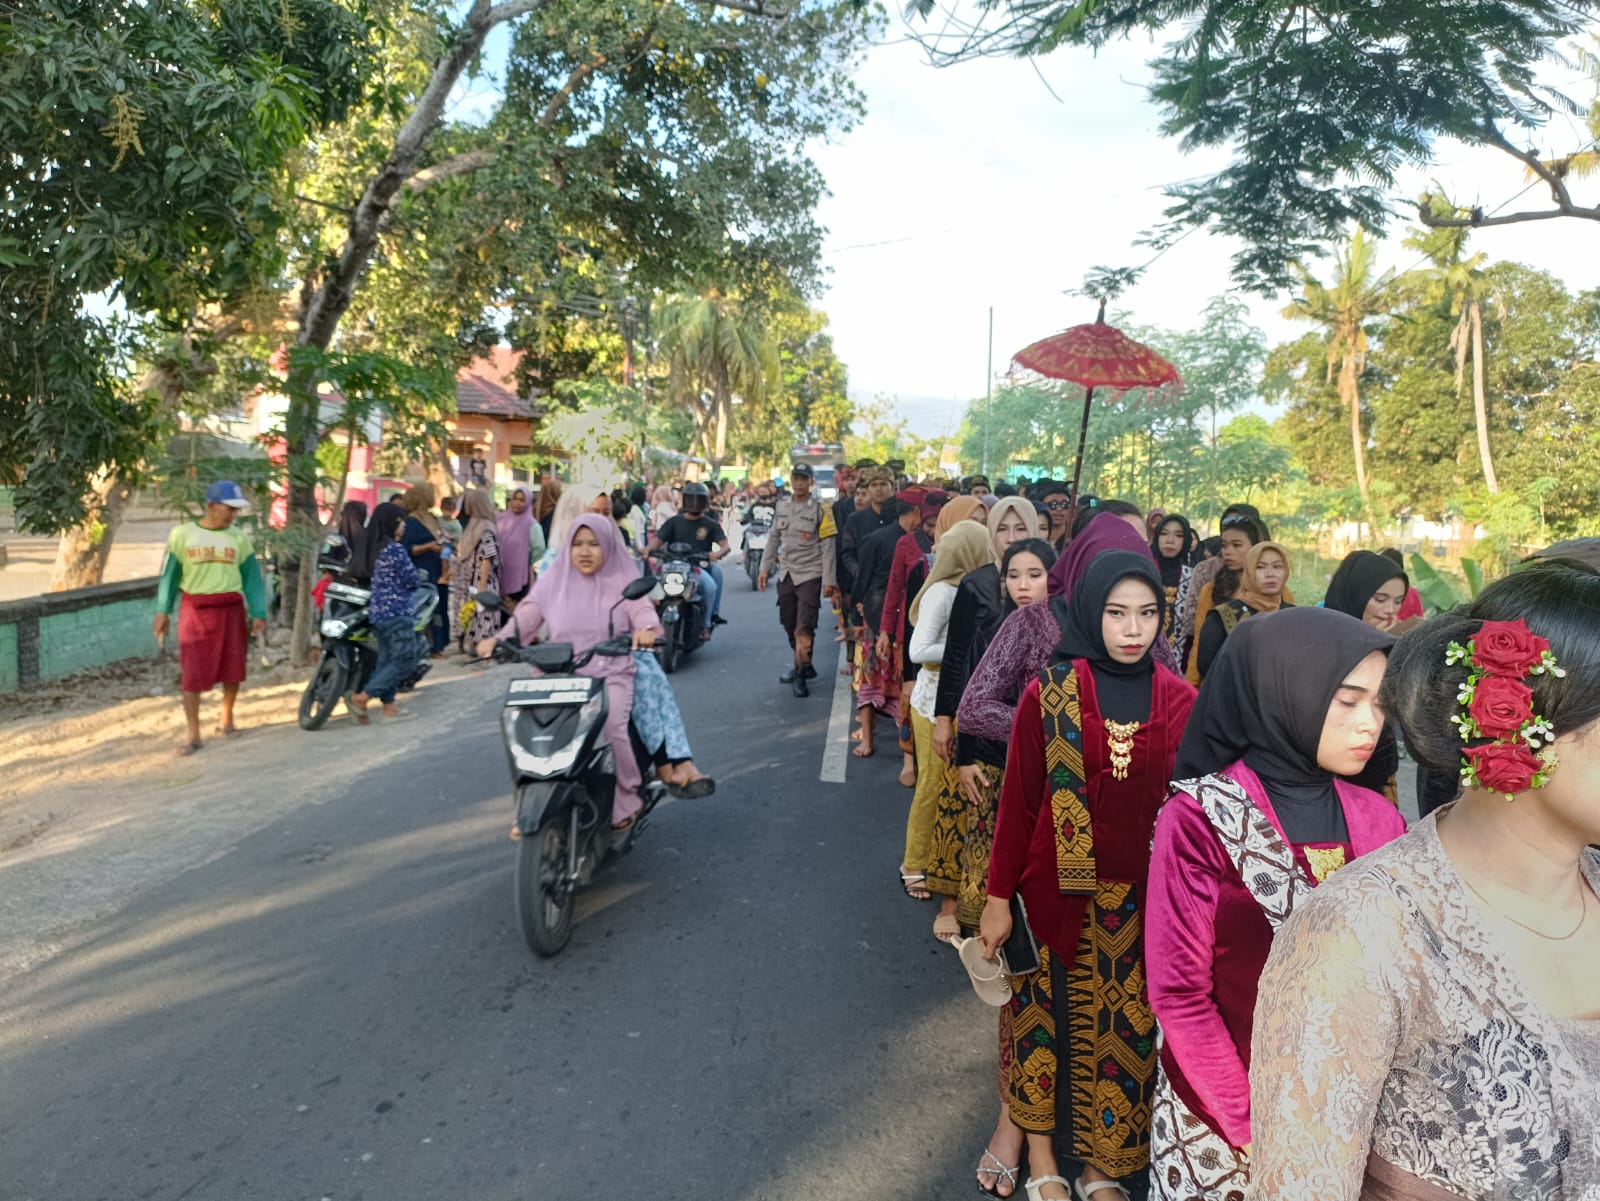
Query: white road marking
(836, 751)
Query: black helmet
(696, 499)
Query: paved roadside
(95, 806)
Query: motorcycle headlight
(564, 756)
(335, 627)
(673, 583)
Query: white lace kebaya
(1390, 1024)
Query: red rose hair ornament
(1498, 706)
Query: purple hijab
(1105, 532)
(515, 531)
(574, 605)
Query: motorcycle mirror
(643, 586)
(488, 598)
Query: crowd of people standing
(1156, 801)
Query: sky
(1000, 182)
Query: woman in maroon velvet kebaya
(1257, 818)
(1087, 768)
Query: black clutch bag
(1020, 952)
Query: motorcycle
(564, 775)
(678, 601)
(757, 521)
(350, 646)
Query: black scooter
(350, 646)
(564, 775)
(679, 603)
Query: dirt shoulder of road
(96, 805)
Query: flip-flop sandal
(403, 715)
(186, 749)
(988, 976)
(914, 880)
(862, 752)
(228, 731)
(946, 928)
(990, 1165)
(694, 789)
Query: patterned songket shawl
(1101, 823)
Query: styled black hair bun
(1559, 599)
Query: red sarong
(213, 640)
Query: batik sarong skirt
(1084, 1063)
(877, 679)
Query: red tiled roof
(488, 386)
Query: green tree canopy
(140, 184)
(1319, 106)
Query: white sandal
(1084, 1191)
(1036, 1183)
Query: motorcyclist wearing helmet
(694, 525)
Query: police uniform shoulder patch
(827, 529)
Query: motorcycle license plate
(541, 691)
(758, 542)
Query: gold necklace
(1583, 898)
(1119, 737)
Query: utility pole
(988, 393)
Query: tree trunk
(1350, 394)
(436, 470)
(326, 296)
(1480, 405)
(724, 404)
(83, 551)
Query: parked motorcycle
(350, 648)
(757, 521)
(564, 776)
(679, 604)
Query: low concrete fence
(48, 637)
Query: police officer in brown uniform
(802, 532)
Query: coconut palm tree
(1357, 293)
(716, 350)
(1456, 279)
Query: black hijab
(1172, 565)
(1123, 689)
(1360, 575)
(351, 520)
(380, 531)
(1265, 700)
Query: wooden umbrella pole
(1083, 438)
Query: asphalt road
(340, 1006)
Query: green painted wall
(8, 658)
(72, 642)
(59, 634)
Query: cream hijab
(1005, 506)
(965, 547)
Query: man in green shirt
(211, 567)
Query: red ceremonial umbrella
(1098, 356)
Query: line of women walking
(1154, 797)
